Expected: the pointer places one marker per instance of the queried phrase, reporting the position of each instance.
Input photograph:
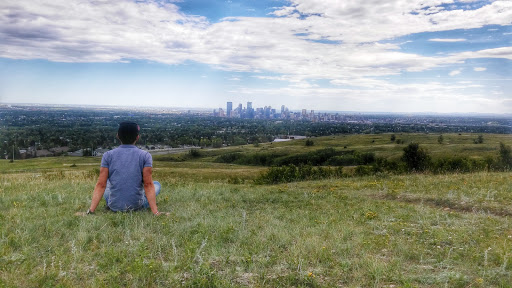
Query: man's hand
(162, 214)
(89, 212)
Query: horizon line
(128, 107)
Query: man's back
(125, 165)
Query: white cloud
(303, 84)
(285, 47)
(432, 96)
(283, 11)
(367, 21)
(479, 69)
(502, 52)
(454, 72)
(93, 31)
(234, 79)
(447, 40)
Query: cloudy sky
(344, 55)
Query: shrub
(343, 160)
(382, 164)
(366, 158)
(292, 173)
(309, 142)
(228, 158)
(258, 159)
(315, 158)
(415, 157)
(235, 180)
(505, 157)
(194, 153)
(458, 164)
(364, 170)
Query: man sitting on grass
(125, 179)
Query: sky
(441, 56)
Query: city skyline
(430, 56)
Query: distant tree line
(84, 129)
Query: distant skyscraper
(229, 109)
(250, 111)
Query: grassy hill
(416, 230)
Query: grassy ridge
(454, 145)
(390, 231)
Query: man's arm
(149, 187)
(99, 189)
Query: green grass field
(415, 230)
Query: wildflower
(310, 274)
(370, 215)
(479, 280)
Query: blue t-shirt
(125, 165)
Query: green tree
(393, 137)
(505, 157)
(440, 139)
(415, 157)
(204, 142)
(217, 143)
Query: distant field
(415, 230)
(453, 144)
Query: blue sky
(386, 56)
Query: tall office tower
(229, 108)
(304, 112)
(240, 108)
(282, 108)
(250, 111)
(267, 111)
